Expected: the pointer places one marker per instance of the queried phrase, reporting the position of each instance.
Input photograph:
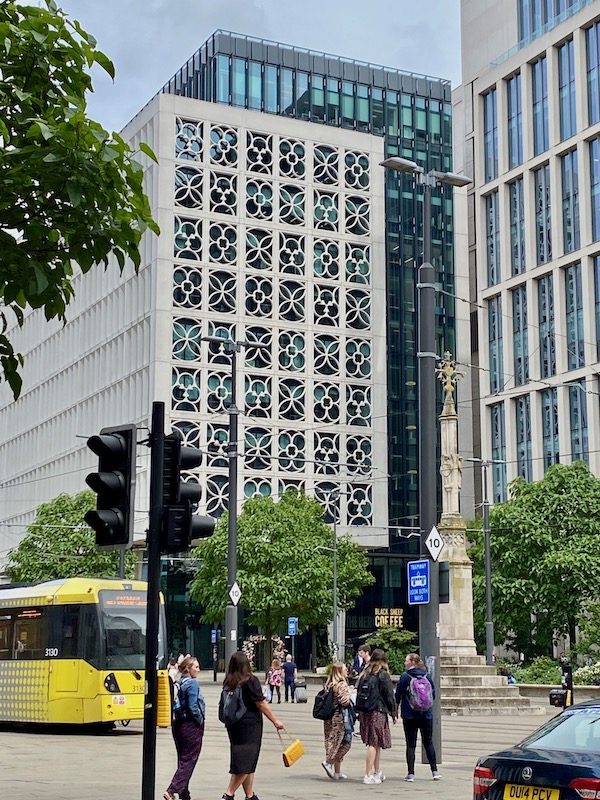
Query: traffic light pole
(231, 612)
(153, 601)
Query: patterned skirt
(335, 747)
(375, 729)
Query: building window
(286, 92)
(523, 431)
(550, 428)
(520, 336)
(578, 422)
(498, 453)
(542, 214)
(595, 187)
(238, 89)
(492, 212)
(222, 80)
(592, 41)
(539, 77)
(517, 227)
(566, 90)
(495, 340)
(515, 121)
(570, 202)
(597, 300)
(546, 327)
(255, 85)
(271, 89)
(574, 313)
(490, 135)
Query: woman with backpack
(274, 680)
(415, 693)
(245, 733)
(338, 729)
(188, 728)
(374, 701)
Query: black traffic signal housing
(114, 483)
(444, 581)
(181, 527)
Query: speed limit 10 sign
(435, 543)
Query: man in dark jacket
(415, 719)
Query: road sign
(292, 626)
(435, 543)
(418, 582)
(213, 636)
(235, 593)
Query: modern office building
(529, 107)
(279, 230)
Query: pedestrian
(338, 729)
(415, 720)
(188, 732)
(173, 669)
(245, 736)
(361, 659)
(374, 724)
(290, 675)
(274, 680)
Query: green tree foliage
(60, 545)
(545, 557)
(69, 190)
(282, 569)
(397, 643)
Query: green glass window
(391, 113)
(302, 97)
(347, 104)
(362, 107)
(222, 88)
(377, 111)
(333, 102)
(407, 116)
(254, 85)
(420, 119)
(271, 89)
(317, 99)
(287, 92)
(435, 121)
(239, 83)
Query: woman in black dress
(245, 735)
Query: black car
(559, 761)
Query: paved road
(72, 766)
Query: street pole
(489, 618)
(231, 612)
(334, 630)
(429, 642)
(153, 599)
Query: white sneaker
(371, 779)
(328, 769)
(436, 775)
(410, 778)
(339, 776)
(380, 775)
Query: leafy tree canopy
(285, 565)
(545, 557)
(69, 190)
(60, 545)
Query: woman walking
(338, 729)
(375, 682)
(189, 731)
(415, 700)
(245, 736)
(274, 680)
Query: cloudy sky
(148, 40)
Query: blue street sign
(292, 626)
(213, 636)
(418, 582)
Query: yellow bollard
(163, 700)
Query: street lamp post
(232, 348)
(489, 617)
(427, 358)
(334, 630)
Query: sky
(148, 40)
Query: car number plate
(516, 791)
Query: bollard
(163, 699)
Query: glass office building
(413, 115)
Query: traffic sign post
(434, 543)
(292, 631)
(418, 582)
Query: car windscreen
(574, 729)
(123, 628)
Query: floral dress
(335, 746)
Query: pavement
(79, 766)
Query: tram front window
(123, 628)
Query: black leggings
(411, 728)
(273, 690)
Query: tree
(60, 545)
(545, 558)
(285, 565)
(69, 190)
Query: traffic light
(114, 483)
(181, 527)
(444, 581)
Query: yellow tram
(73, 651)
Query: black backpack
(231, 705)
(324, 707)
(367, 693)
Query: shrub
(541, 670)
(587, 676)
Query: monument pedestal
(456, 617)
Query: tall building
(279, 230)
(529, 110)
